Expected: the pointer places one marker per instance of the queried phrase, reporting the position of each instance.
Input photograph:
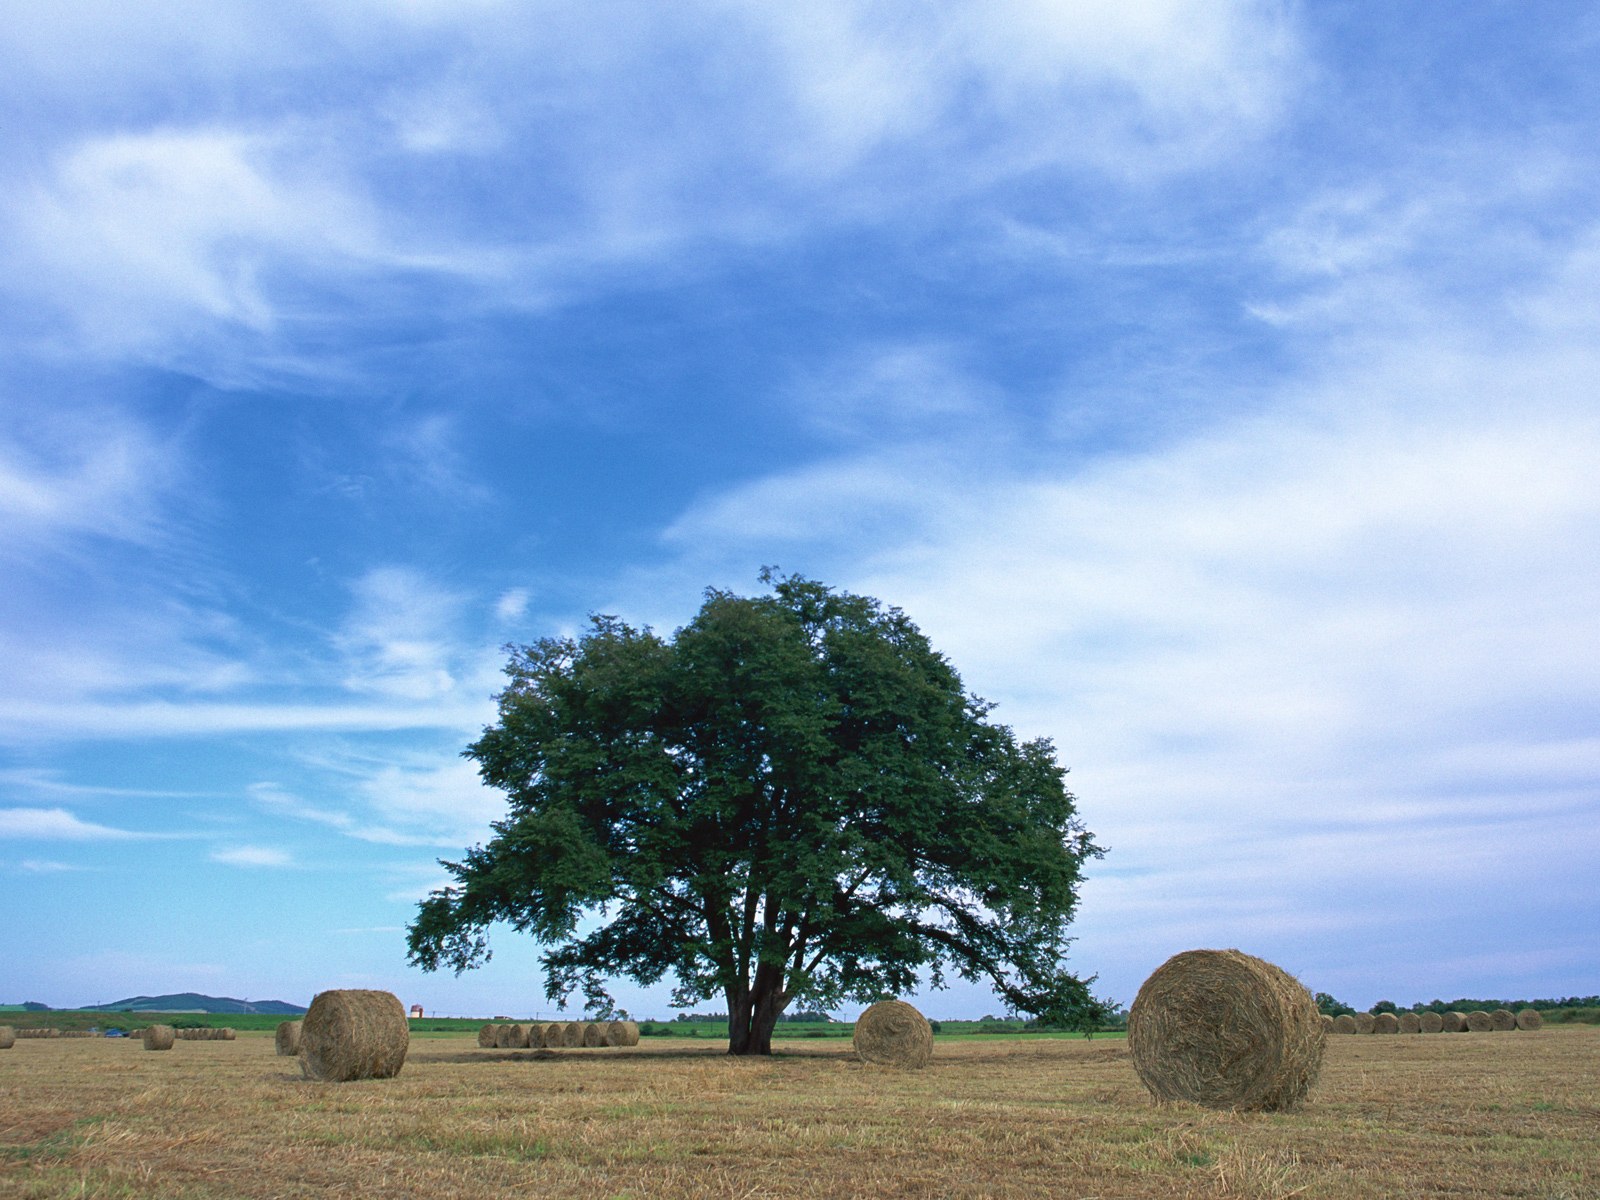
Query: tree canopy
(792, 798)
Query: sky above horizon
(1213, 381)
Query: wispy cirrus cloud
(252, 856)
(56, 824)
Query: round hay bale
(287, 1039)
(1432, 1022)
(1344, 1023)
(550, 1035)
(1502, 1020)
(893, 1034)
(1410, 1022)
(1453, 1022)
(486, 1037)
(158, 1037)
(502, 1036)
(517, 1036)
(1479, 1021)
(572, 1033)
(1365, 1022)
(1225, 1030)
(8, 1037)
(228, 1034)
(622, 1033)
(1327, 1023)
(594, 1034)
(1529, 1019)
(354, 1033)
(1385, 1023)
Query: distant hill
(194, 1002)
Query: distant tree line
(1335, 1007)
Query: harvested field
(1469, 1117)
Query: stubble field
(1502, 1115)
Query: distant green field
(707, 1031)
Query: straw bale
(228, 1034)
(622, 1033)
(516, 1036)
(1410, 1022)
(1479, 1021)
(1529, 1019)
(572, 1033)
(287, 1039)
(1502, 1020)
(1365, 1022)
(1344, 1023)
(1432, 1022)
(503, 1036)
(8, 1037)
(354, 1033)
(158, 1037)
(893, 1034)
(1225, 1030)
(550, 1034)
(1385, 1023)
(1327, 1023)
(486, 1036)
(1453, 1022)
(594, 1033)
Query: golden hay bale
(1385, 1023)
(158, 1037)
(517, 1036)
(354, 1033)
(1327, 1023)
(1432, 1022)
(486, 1036)
(1529, 1019)
(1226, 1030)
(502, 1036)
(549, 1034)
(1344, 1023)
(622, 1033)
(228, 1034)
(594, 1033)
(572, 1033)
(1479, 1021)
(8, 1037)
(1410, 1022)
(1502, 1020)
(1453, 1022)
(287, 1039)
(1365, 1022)
(893, 1034)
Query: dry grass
(1470, 1118)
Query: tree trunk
(753, 1015)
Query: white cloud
(43, 866)
(434, 800)
(55, 824)
(399, 636)
(512, 605)
(252, 856)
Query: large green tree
(792, 798)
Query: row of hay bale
(206, 1035)
(557, 1035)
(36, 1033)
(1501, 1020)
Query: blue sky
(1214, 381)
